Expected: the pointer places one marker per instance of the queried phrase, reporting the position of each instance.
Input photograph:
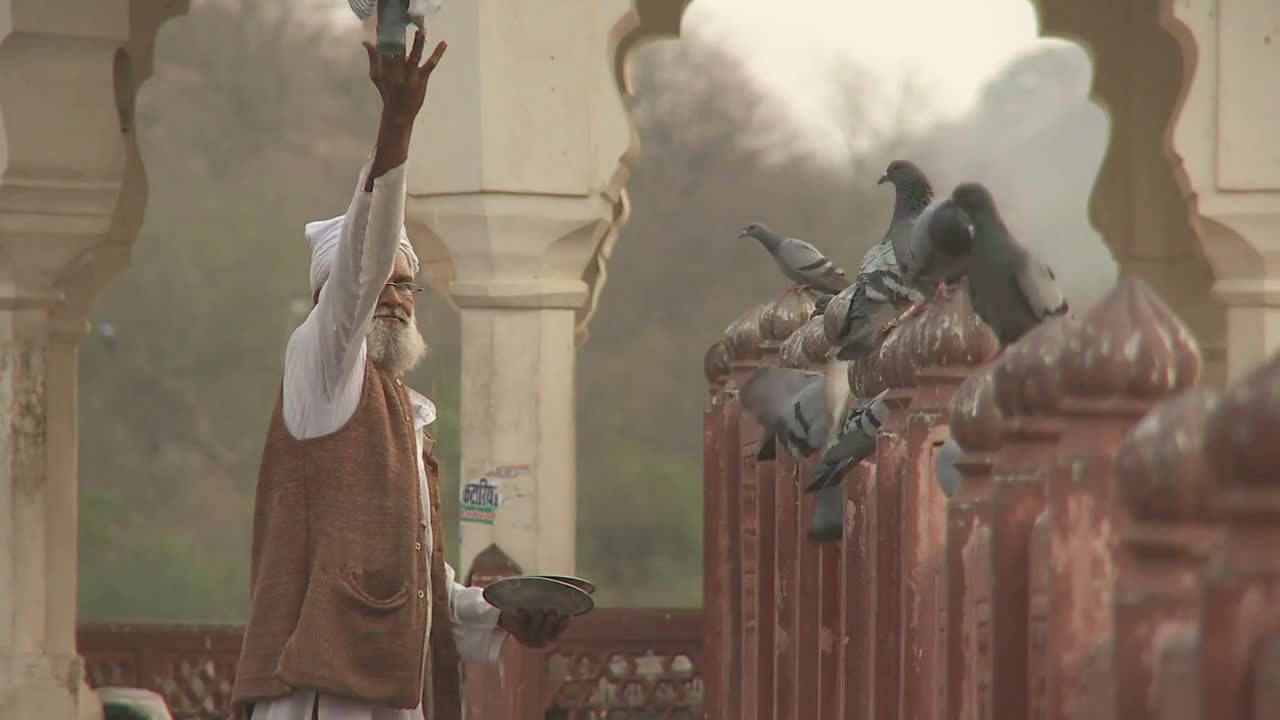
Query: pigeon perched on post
(1009, 288)
(803, 263)
(931, 238)
(879, 295)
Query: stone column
(515, 201)
(1188, 196)
(1224, 133)
(1138, 204)
(71, 197)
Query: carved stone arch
(1143, 65)
(644, 22)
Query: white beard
(393, 345)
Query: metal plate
(585, 586)
(529, 592)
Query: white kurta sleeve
(475, 622)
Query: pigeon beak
(742, 234)
(883, 179)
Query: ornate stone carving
(1130, 345)
(806, 347)
(1241, 433)
(715, 364)
(1163, 471)
(784, 315)
(742, 337)
(975, 421)
(1027, 378)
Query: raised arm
(371, 229)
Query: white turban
(324, 236)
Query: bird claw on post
(941, 292)
(888, 327)
(798, 288)
(914, 311)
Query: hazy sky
(949, 47)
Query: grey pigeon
(803, 263)
(931, 238)
(855, 442)
(827, 523)
(1009, 288)
(912, 193)
(879, 295)
(945, 466)
(800, 408)
(939, 249)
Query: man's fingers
(435, 56)
(415, 53)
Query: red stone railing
(625, 663)
(1112, 550)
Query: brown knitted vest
(337, 588)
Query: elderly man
(353, 613)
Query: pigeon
(879, 295)
(827, 523)
(1009, 288)
(856, 441)
(931, 238)
(912, 193)
(945, 466)
(799, 407)
(803, 263)
(940, 247)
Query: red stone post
(779, 322)
(943, 346)
(1165, 481)
(976, 424)
(1027, 390)
(1240, 587)
(716, 368)
(742, 339)
(1127, 354)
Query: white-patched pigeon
(1009, 287)
(803, 263)
(855, 442)
(800, 408)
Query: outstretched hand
(402, 81)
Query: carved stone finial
(1028, 378)
(950, 334)
(975, 419)
(742, 337)
(807, 347)
(784, 315)
(865, 378)
(1130, 345)
(715, 363)
(1163, 472)
(1241, 437)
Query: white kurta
(323, 379)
